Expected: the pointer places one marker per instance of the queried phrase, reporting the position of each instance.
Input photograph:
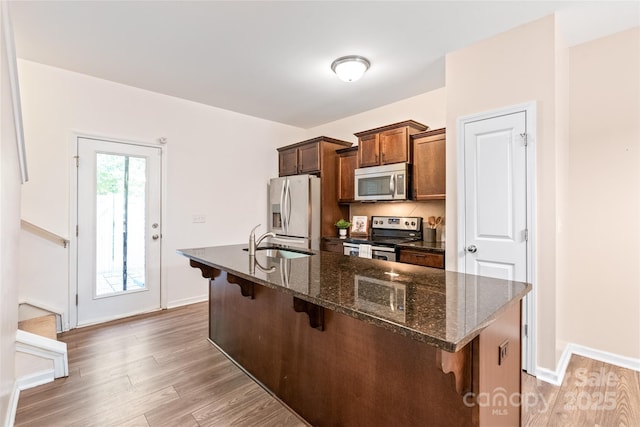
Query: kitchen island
(352, 341)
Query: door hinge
(77, 160)
(526, 234)
(76, 299)
(76, 230)
(526, 330)
(524, 138)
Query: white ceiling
(272, 59)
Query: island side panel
(352, 373)
(499, 383)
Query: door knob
(155, 237)
(472, 249)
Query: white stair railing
(45, 234)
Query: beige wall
(428, 109)
(218, 164)
(9, 239)
(509, 69)
(599, 291)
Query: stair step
(44, 326)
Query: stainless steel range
(387, 232)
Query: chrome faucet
(253, 243)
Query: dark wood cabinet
(318, 156)
(429, 165)
(288, 162)
(347, 164)
(424, 258)
(394, 146)
(309, 158)
(299, 159)
(368, 151)
(332, 245)
(387, 144)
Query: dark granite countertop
(424, 246)
(441, 308)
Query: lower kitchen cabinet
(426, 259)
(331, 245)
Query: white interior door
(119, 230)
(497, 203)
(496, 197)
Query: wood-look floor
(159, 370)
(151, 370)
(592, 393)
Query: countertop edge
(449, 346)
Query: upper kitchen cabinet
(307, 157)
(429, 165)
(387, 144)
(347, 164)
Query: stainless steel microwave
(387, 182)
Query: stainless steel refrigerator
(294, 211)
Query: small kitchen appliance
(387, 182)
(387, 232)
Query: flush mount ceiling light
(350, 68)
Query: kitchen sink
(277, 252)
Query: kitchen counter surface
(425, 246)
(441, 308)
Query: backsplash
(422, 209)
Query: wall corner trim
(13, 406)
(556, 377)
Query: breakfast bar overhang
(351, 341)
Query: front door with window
(119, 231)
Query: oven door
(377, 252)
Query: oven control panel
(397, 222)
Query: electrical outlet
(503, 352)
(199, 219)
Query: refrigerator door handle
(282, 212)
(288, 203)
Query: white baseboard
(34, 380)
(556, 377)
(23, 383)
(13, 406)
(45, 348)
(187, 301)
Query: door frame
(73, 214)
(529, 307)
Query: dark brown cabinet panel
(288, 162)
(299, 159)
(429, 165)
(426, 259)
(369, 151)
(309, 158)
(332, 246)
(387, 144)
(394, 146)
(347, 164)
